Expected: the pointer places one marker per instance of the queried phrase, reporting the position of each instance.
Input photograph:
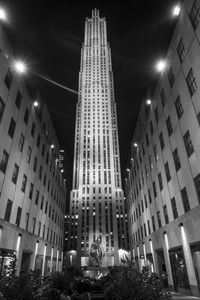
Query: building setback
(32, 188)
(97, 207)
(163, 177)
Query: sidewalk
(177, 296)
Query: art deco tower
(97, 206)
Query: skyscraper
(97, 209)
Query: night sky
(48, 35)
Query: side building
(32, 187)
(163, 176)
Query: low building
(32, 187)
(163, 176)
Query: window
(159, 219)
(191, 82)
(18, 99)
(33, 225)
(151, 127)
(8, 210)
(150, 162)
(33, 129)
(31, 191)
(181, 50)
(39, 228)
(29, 151)
(2, 106)
(163, 98)
(21, 142)
(176, 159)
(174, 208)
(11, 129)
(37, 197)
(24, 180)
(8, 79)
(4, 162)
(162, 143)
(27, 221)
(26, 116)
(188, 143)
(179, 107)
(18, 217)
(153, 223)
(171, 77)
(184, 196)
(154, 189)
(155, 152)
(15, 173)
(160, 181)
(197, 186)
(149, 193)
(40, 172)
(167, 172)
(38, 140)
(156, 114)
(35, 164)
(165, 214)
(43, 150)
(42, 203)
(195, 14)
(169, 126)
(46, 207)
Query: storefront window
(7, 260)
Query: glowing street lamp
(161, 65)
(3, 15)
(35, 103)
(148, 101)
(135, 145)
(19, 67)
(176, 10)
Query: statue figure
(97, 252)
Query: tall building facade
(32, 188)
(163, 177)
(97, 202)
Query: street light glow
(176, 10)
(19, 66)
(135, 145)
(35, 103)
(148, 102)
(3, 15)
(161, 65)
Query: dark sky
(48, 36)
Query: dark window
(18, 217)
(45, 179)
(145, 200)
(179, 107)
(186, 204)
(163, 98)
(155, 152)
(15, 173)
(43, 233)
(8, 79)
(27, 221)
(156, 114)
(191, 82)
(142, 205)
(37, 197)
(39, 228)
(154, 189)
(151, 127)
(42, 203)
(169, 126)
(2, 106)
(188, 143)
(165, 214)
(47, 158)
(162, 143)
(197, 186)
(149, 193)
(24, 180)
(149, 228)
(174, 208)
(181, 50)
(21, 142)
(176, 159)
(11, 129)
(43, 149)
(29, 151)
(195, 14)
(46, 207)
(33, 225)
(160, 181)
(153, 223)
(33, 129)
(8, 210)
(18, 99)
(31, 191)
(26, 116)
(40, 172)
(38, 140)
(4, 162)
(167, 172)
(159, 219)
(171, 77)
(35, 164)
